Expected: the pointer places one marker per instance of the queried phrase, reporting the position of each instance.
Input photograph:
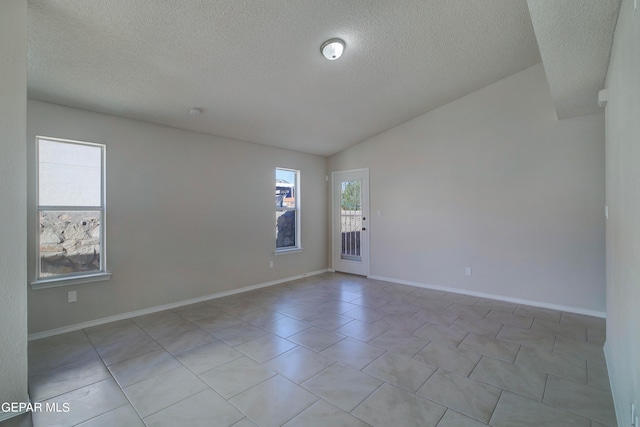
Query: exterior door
(350, 220)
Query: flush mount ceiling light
(332, 49)
(195, 111)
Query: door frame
(335, 242)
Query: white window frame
(296, 208)
(79, 277)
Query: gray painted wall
(188, 215)
(13, 232)
(623, 226)
(491, 181)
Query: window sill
(287, 251)
(70, 280)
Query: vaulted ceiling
(255, 67)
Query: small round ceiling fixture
(195, 111)
(332, 49)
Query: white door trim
(365, 207)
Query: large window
(71, 211)
(287, 210)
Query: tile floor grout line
(253, 386)
(482, 356)
(179, 401)
(425, 381)
(368, 396)
(544, 390)
(495, 407)
(568, 410)
(83, 361)
(307, 407)
(111, 410)
(72, 390)
(518, 353)
(443, 415)
(392, 295)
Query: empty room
(453, 241)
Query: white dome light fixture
(332, 49)
(195, 111)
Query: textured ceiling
(575, 38)
(255, 68)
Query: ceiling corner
(575, 38)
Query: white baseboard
(142, 312)
(101, 321)
(5, 416)
(534, 303)
(616, 404)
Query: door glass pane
(69, 174)
(69, 242)
(350, 219)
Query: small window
(287, 210)
(71, 211)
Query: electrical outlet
(270, 264)
(72, 296)
(467, 271)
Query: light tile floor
(330, 350)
